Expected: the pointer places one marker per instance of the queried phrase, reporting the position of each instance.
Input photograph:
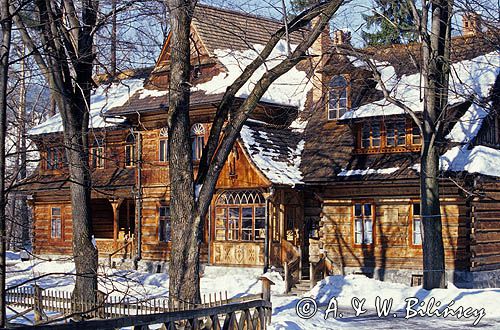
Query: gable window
(363, 223)
(240, 216)
(55, 223)
(416, 225)
(130, 150)
(338, 97)
(163, 146)
(198, 140)
(97, 154)
(56, 158)
(164, 224)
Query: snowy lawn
(484, 304)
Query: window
(338, 97)
(56, 158)
(388, 136)
(97, 154)
(371, 135)
(130, 150)
(163, 152)
(55, 223)
(198, 140)
(240, 216)
(416, 225)
(164, 224)
(363, 223)
(395, 133)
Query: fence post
(38, 304)
(266, 287)
(312, 275)
(285, 269)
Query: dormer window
(338, 97)
(198, 140)
(394, 135)
(130, 150)
(56, 158)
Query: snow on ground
(289, 89)
(105, 97)
(243, 281)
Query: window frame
(165, 219)
(97, 161)
(384, 129)
(363, 218)
(55, 158)
(222, 212)
(412, 218)
(58, 217)
(197, 134)
(345, 90)
(130, 151)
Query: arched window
(97, 153)
(198, 140)
(130, 150)
(240, 216)
(163, 146)
(338, 97)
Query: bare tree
(6, 23)
(66, 34)
(191, 197)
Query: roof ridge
(238, 12)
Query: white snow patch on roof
(268, 161)
(290, 89)
(468, 125)
(152, 93)
(103, 98)
(480, 159)
(473, 77)
(368, 171)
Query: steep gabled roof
(228, 29)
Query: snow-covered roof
(276, 152)
(103, 98)
(473, 77)
(290, 89)
(479, 159)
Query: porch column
(116, 219)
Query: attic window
(338, 97)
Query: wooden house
(323, 167)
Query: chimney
(323, 43)
(341, 37)
(471, 24)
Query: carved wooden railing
(321, 269)
(292, 265)
(123, 247)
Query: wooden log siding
(391, 246)
(42, 241)
(485, 236)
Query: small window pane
(357, 210)
(220, 223)
(368, 232)
(56, 211)
(368, 209)
(417, 235)
(358, 236)
(163, 154)
(416, 209)
(233, 224)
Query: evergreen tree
(392, 23)
(299, 6)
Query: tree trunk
(6, 23)
(436, 57)
(184, 260)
